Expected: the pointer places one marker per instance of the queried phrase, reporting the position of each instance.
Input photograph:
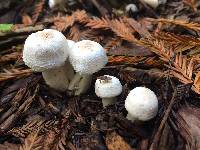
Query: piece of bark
(115, 142)
(166, 139)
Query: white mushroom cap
(52, 3)
(70, 44)
(141, 104)
(45, 50)
(55, 3)
(108, 87)
(131, 7)
(88, 57)
(155, 3)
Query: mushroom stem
(84, 84)
(70, 70)
(79, 84)
(129, 117)
(74, 82)
(108, 101)
(58, 78)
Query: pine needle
(33, 141)
(37, 11)
(188, 25)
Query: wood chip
(115, 142)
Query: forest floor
(158, 48)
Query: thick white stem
(69, 70)
(57, 78)
(79, 84)
(129, 117)
(108, 101)
(74, 82)
(84, 84)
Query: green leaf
(6, 27)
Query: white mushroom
(47, 51)
(53, 4)
(155, 3)
(60, 4)
(131, 8)
(108, 87)
(86, 57)
(141, 104)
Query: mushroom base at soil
(108, 101)
(58, 78)
(131, 118)
(79, 84)
(69, 70)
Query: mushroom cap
(70, 44)
(152, 3)
(108, 86)
(155, 3)
(131, 7)
(52, 3)
(87, 57)
(142, 104)
(55, 3)
(45, 50)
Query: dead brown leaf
(26, 19)
(188, 123)
(9, 146)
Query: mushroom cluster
(141, 103)
(68, 66)
(47, 51)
